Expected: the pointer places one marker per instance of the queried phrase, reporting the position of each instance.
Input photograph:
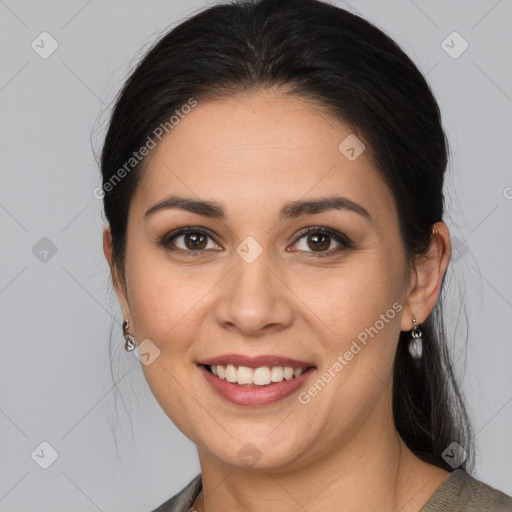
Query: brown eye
(188, 240)
(319, 240)
(194, 241)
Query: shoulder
(462, 492)
(182, 501)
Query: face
(319, 288)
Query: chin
(259, 453)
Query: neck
(375, 471)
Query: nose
(254, 299)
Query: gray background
(56, 314)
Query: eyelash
(343, 240)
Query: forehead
(259, 148)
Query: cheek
(348, 300)
(163, 297)
(358, 308)
(164, 302)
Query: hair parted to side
(339, 61)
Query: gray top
(460, 492)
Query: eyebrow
(290, 210)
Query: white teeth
(288, 373)
(244, 375)
(277, 373)
(263, 376)
(231, 373)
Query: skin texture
(251, 154)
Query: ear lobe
(116, 281)
(429, 271)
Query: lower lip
(266, 395)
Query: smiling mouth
(264, 376)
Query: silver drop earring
(130, 340)
(416, 343)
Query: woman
(273, 183)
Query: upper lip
(255, 362)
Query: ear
(427, 277)
(116, 279)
